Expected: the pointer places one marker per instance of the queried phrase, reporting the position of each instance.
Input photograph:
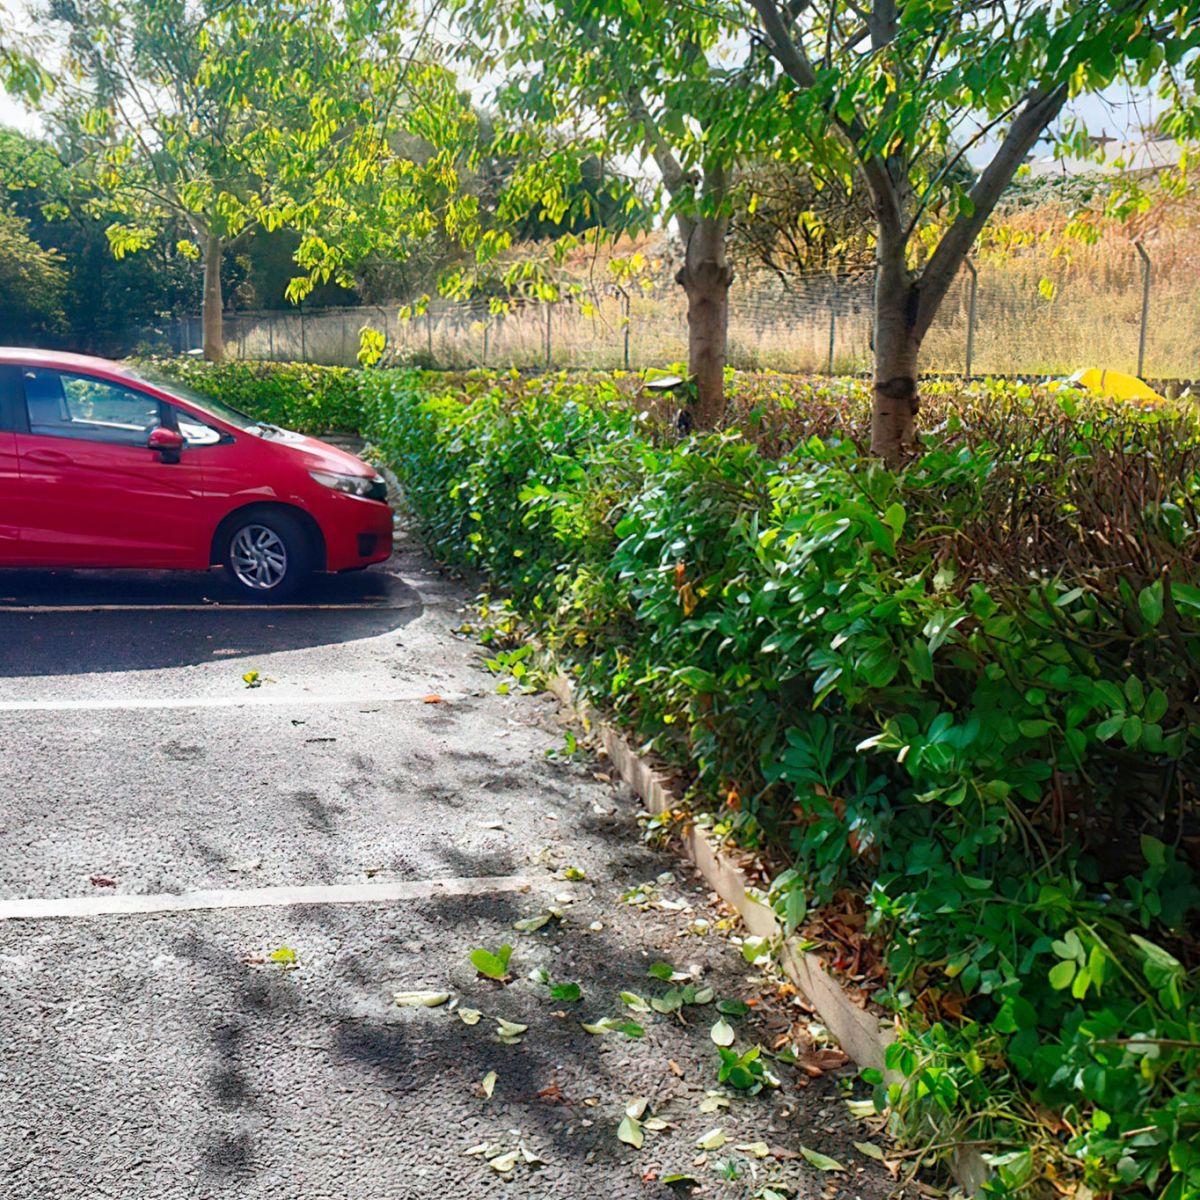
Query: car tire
(267, 556)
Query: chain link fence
(1028, 318)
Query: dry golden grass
(1091, 318)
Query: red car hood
(321, 456)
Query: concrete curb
(860, 1034)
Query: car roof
(59, 360)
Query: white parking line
(266, 897)
(251, 698)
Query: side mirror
(168, 443)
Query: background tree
(227, 115)
(110, 305)
(633, 81)
(32, 284)
(897, 95)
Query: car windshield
(181, 391)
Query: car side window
(195, 431)
(61, 404)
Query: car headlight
(352, 485)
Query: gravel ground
(166, 1056)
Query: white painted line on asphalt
(208, 608)
(252, 698)
(266, 897)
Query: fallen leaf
(679, 1177)
(551, 1091)
(509, 1029)
(821, 1161)
(630, 1132)
(655, 1123)
(285, 956)
(607, 1025)
(732, 1008)
(494, 966)
(661, 970)
(421, 999)
(676, 1069)
(103, 881)
(713, 1101)
(722, 1033)
(636, 1108)
(531, 924)
(574, 874)
(469, 1016)
(504, 1162)
(758, 1149)
(528, 1155)
(634, 1001)
(570, 992)
(714, 1139)
(433, 698)
(489, 1084)
(480, 1149)
(251, 679)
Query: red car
(103, 466)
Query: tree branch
(1041, 107)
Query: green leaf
(1150, 602)
(570, 992)
(494, 966)
(733, 1008)
(661, 970)
(821, 1161)
(1061, 974)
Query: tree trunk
(897, 345)
(705, 278)
(213, 305)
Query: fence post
(971, 313)
(1146, 269)
(832, 326)
(549, 311)
(486, 327)
(271, 334)
(303, 341)
(342, 355)
(626, 305)
(429, 334)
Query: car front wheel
(267, 556)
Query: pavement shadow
(74, 622)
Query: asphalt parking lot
(369, 813)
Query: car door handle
(52, 457)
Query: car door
(93, 493)
(10, 477)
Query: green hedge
(310, 399)
(953, 689)
(968, 691)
